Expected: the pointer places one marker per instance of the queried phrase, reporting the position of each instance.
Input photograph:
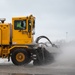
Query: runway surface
(64, 64)
(8, 68)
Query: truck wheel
(39, 59)
(37, 62)
(20, 56)
(49, 58)
(43, 57)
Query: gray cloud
(53, 17)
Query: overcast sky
(53, 17)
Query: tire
(43, 57)
(49, 58)
(37, 62)
(20, 56)
(39, 59)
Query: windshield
(20, 24)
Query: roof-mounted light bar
(2, 19)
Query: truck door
(0, 37)
(20, 32)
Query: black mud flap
(44, 57)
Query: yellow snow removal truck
(17, 42)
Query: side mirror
(33, 32)
(29, 25)
(33, 24)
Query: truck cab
(22, 30)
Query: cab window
(20, 24)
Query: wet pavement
(21, 74)
(52, 69)
(56, 68)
